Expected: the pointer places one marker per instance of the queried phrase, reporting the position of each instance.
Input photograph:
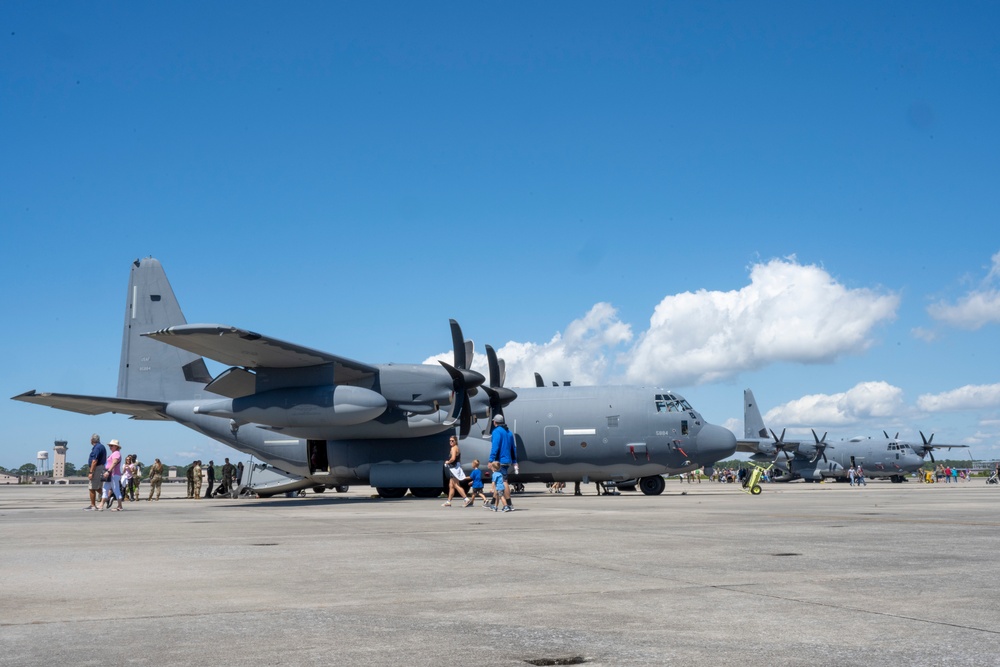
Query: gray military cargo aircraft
(816, 460)
(326, 421)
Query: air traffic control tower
(59, 464)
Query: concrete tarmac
(817, 574)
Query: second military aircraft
(816, 459)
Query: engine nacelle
(330, 405)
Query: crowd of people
(946, 474)
(113, 479)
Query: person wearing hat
(504, 451)
(155, 479)
(114, 484)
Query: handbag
(106, 476)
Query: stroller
(993, 478)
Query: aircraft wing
(771, 447)
(239, 347)
(751, 446)
(98, 405)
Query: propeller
(927, 445)
(888, 438)
(820, 447)
(465, 381)
(499, 395)
(462, 404)
(539, 382)
(779, 445)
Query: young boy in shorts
(476, 476)
(499, 502)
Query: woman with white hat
(114, 473)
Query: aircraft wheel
(755, 490)
(342, 488)
(652, 486)
(425, 492)
(319, 489)
(390, 492)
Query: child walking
(499, 502)
(477, 485)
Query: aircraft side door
(553, 442)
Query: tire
(319, 489)
(755, 490)
(652, 486)
(390, 492)
(342, 488)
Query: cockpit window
(671, 403)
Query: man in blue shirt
(95, 465)
(504, 451)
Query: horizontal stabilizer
(98, 405)
(239, 347)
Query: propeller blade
(494, 365)
(538, 380)
(503, 372)
(498, 394)
(458, 345)
(465, 424)
(470, 349)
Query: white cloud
(969, 397)
(865, 400)
(788, 313)
(580, 354)
(926, 335)
(975, 309)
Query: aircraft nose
(714, 443)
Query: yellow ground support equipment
(752, 483)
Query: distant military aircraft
(818, 459)
(326, 421)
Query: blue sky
(800, 198)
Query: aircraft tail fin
(753, 423)
(150, 370)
